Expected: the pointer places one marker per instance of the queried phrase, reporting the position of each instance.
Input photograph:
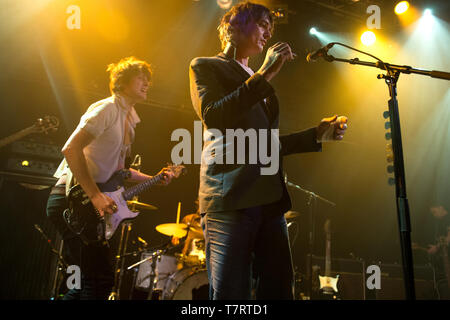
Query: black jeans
(95, 261)
(248, 244)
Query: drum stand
(153, 277)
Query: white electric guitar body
(328, 284)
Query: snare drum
(187, 284)
(166, 265)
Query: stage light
(368, 38)
(313, 31)
(401, 7)
(427, 21)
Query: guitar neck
(137, 189)
(16, 136)
(328, 258)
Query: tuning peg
(387, 125)
(390, 169)
(386, 114)
(391, 181)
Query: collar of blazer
(233, 64)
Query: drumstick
(178, 212)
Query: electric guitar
(328, 285)
(42, 125)
(84, 220)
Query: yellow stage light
(368, 38)
(401, 7)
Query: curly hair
(239, 17)
(121, 72)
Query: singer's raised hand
(276, 56)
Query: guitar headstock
(177, 170)
(46, 124)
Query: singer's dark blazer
(225, 96)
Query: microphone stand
(393, 72)
(312, 203)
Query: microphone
(313, 56)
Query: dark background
(48, 69)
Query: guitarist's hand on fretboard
(167, 175)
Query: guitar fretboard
(137, 189)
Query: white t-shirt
(105, 120)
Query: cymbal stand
(61, 264)
(120, 260)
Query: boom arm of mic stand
(310, 193)
(394, 67)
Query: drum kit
(167, 272)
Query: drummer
(194, 243)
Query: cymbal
(178, 230)
(291, 214)
(141, 205)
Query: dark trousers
(245, 247)
(95, 261)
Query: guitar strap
(70, 180)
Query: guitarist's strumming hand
(103, 204)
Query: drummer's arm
(176, 241)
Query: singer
(247, 247)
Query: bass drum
(187, 284)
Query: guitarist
(96, 149)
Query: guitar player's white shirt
(105, 120)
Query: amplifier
(392, 285)
(28, 165)
(31, 148)
(351, 284)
